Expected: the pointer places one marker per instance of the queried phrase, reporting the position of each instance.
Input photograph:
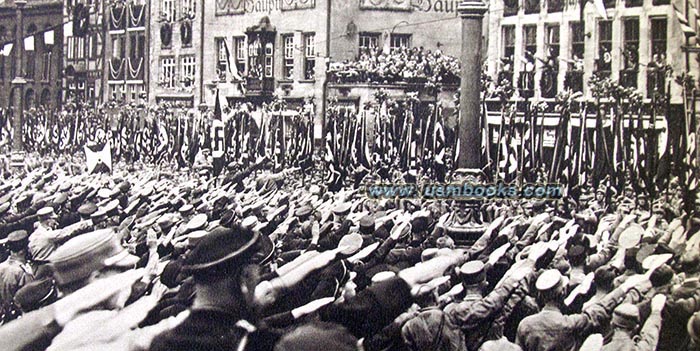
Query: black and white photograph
(350, 175)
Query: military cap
(167, 220)
(382, 276)
(111, 208)
(250, 222)
(626, 315)
(60, 199)
(46, 212)
(212, 225)
(642, 196)
(17, 236)
(342, 209)
(367, 224)
(35, 295)
(549, 280)
(104, 193)
(124, 186)
(197, 222)
(196, 237)
(87, 209)
(99, 216)
(472, 272)
(350, 243)
(4, 207)
(82, 255)
(303, 211)
(91, 192)
(222, 246)
(186, 209)
(64, 187)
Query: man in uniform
(14, 274)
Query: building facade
(42, 57)
(176, 51)
(283, 48)
(83, 39)
(545, 44)
(125, 72)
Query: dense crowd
(149, 259)
(408, 65)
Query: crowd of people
(144, 258)
(402, 64)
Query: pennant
(68, 29)
(7, 49)
(49, 37)
(29, 43)
(98, 160)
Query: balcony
(526, 84)
(656, 82)
(257, 86)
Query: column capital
(472, 9)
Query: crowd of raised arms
(265, 258)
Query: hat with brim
(472, 273)
(342, 209)
(186, 209)
(631, 236)
(221, 246)
(46, 213)
(197, 222)
(549, 280)
(86, 210)
(350, 244)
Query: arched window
(29, 99)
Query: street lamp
(18, 82)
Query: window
(552, 39)
(137, 47)
(400, 41)
(658, 36)
(46, 66)
(118, 46)
(368, 41)
(288, 57)
(70, 48)
(604, 48)
(189, 8)
(577, 44)
(188, 71)
(167, 71)
(630, 52)
(168, 13)
(509, 42)
(240, 54)
(221, 58)
(92, 46)
(309, 56)
(135, 92)
(80, 48)
(30, 55)
(269, 65)
(530, 38)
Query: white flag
(7, 49)
(600, 7)
(49, 37)
(29, 43)
(68, 29)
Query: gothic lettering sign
(239, 7)
(396, 5)
(439, 6)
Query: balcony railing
(628, 78)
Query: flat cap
(104, 193)
(17, 236)
(87, 209)
(186, 209)
(626, 315)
